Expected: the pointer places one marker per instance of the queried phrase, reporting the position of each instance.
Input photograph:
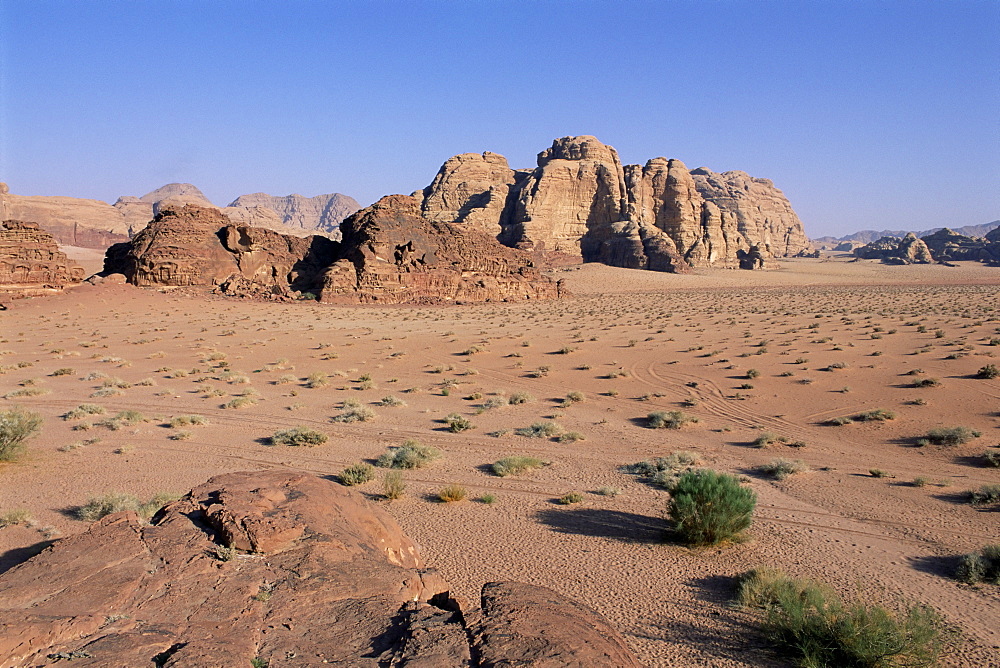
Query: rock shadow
(614, 524)
(19, 555)
(943, 566)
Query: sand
(827, 338)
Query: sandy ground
(828, 337)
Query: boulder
(391, 254)
(277, 567)
(198, 246)
(31, 262)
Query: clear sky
(867, 113)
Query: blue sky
(868, 114)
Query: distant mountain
(322, 213)
(868, 236)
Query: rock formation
(949, 246)
(322, 213)
(282, 568)
(390, 254)
(31, 262)
(198, 246)
(70, 220)
(908, 250)
(581, 202)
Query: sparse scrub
(571, 437)
(355, 414)
(985, 495)
(114, 502)
(950, 436)
(540, 430)
(64, 371)
(516, 465)
(991, 458)
(452, 493)
(807, 620)
(517, 398)
(298, 436)
(393, 485)
(669, 419)
(570, 497)
(356, 474)
(665, 471)
(988, 372)
(240, 402)
(926, 382)
(411, 455)
(317, 380)
(708, 507)
(457, 423)
(188, 420)
(607, 491)
(15, 517)
(981, 566)
(780, 468)
(767, 438)
(391, 401)
(875, 415)
(83, 410)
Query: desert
(766, 361)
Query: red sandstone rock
(31, 262)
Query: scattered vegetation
(988, 372)
(16, 427)
(669, 419)
(708, 507)
(780, 468)
(298, 436)
(452, 493)
(767, 438)
(411, 455)
(457, 423)
(356, 474)
(665, 471)
(980, 566)
(355, 414)
(114, 502)
(187, 420)
(516, 465)
(540, 430)
(570, 497)
(393, 486)
(949, 436)
(875, 415)
(985, 495)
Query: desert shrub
(926, 382)
(665, 471)
(519, 398)
(393, 486)
(753, 373)
(515, 465)
(988, 372)
(980, 566)
(992, 458)
(316, 380)
(457, 423)
(355, 414)
(839, 421)
(83, 410)
(708, 507)
(985, 495)
(411, 455)
(188, 420)
(781, 468)
(15, 517)
(572, 437)
(240, 402)
(493, 402)
(875, 415)
(64, 371)
(391, 402)
(767, 438)
(452, 493)
(951, 436)
(356, 474)
(669, 419)
(540, 430)
(285, 379)
(807, 620)
(575, 397)
(570, 497)
(487, 498)
(298, 436)
(114, 502)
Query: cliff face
(580, 201)
(70, 220)
(322, 213)
(30, 260)
(391, 254)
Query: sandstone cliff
(71, 220)
(908, 250)
(31, 262)
(949, 246)
(322, 213)
(278, 568)
(199, 246)
(581, 202)
(391, 254)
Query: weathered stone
(322, 213)
(949, 246)
(325, 578)
(31, 262)
(471, 189)
(908, 250)
(390, 254)
(70, 220)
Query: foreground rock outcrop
(31, 262)
(198, 246)
(391, 255)
(581, 203)
(283, 568)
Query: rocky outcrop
(391, 254)
(198, 246)
(322, 213)
(70, 220)
(282, 569)
(581, 202)
(31, 262)
(908, 250)
(949, 246)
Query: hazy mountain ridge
(868, 236)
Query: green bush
(186, 420)
(298, 436)
(356, 474)
(452, 493)
(992, 458)
(767, 438)
(985, 495)
(665, 471)
(709, 507)
(393, 486)
(981, 566)
(355, 414)
(988, 372)
(540, 430)
(669, 419)
(570, 497)
(16, 427)
(411, 455)
(876, 415)
(807, 620)
(951, 435)
(515, 465)
(456, 423)
(781, 468)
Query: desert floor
(777, 352)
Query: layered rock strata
(278, 568)
(390, 254)
(30, 260)
(581, 202)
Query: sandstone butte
(945, 245)
(31, 262)
(281, 568)
(95, 224)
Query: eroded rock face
(581, 202)
(70, 220)
(908, 250)
(198, 246)
(391, 254)
(31, 262)
(322, 213)
(950, 246)
(316, 576)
